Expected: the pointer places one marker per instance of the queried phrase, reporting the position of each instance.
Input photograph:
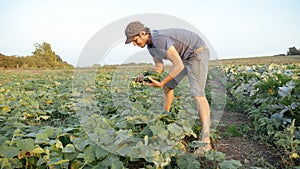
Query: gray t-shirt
(184, 41)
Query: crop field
(99, 118)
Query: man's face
(140, 40)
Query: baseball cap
(133, 29)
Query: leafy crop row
(270, 95)
(99, 120)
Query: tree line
(42, 57)
(45, 57)
(293, 51)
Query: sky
(234, 28)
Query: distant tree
(44, 52)
(58, 58)
(293, 51)
(43, 57)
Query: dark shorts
(196, 69)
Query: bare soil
(251, 153)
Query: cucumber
(154, 75)
(151, 73)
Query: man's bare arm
(159, 65)
(177, 64)
(177, 67)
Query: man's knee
(166, 89)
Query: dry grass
(238, 61)
(260, 60)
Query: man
(189, 56)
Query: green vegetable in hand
(154, 75)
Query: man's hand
(139, 78)
(154, 83)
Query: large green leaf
(4, 162)
(81, 142)
(111, 161)
(9, 152)
(176, 131)
(286, 90)
(188, 161)
(25, 144)
(89, 154)
(160, 130)
(42, 138)
(100, 152)
(188, 127)
(2, 139)
(38, 150)
(215, 156)
(41, 161)
(230, 164)
(50, 131)
(69, 148)
(76, 164)
(15, 163)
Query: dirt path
(240, 147)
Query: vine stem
(83, 165)
(10, 144)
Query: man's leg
(168, 98)
(197, 69)
(204, 115)
(169, 89)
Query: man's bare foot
(202, 150)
